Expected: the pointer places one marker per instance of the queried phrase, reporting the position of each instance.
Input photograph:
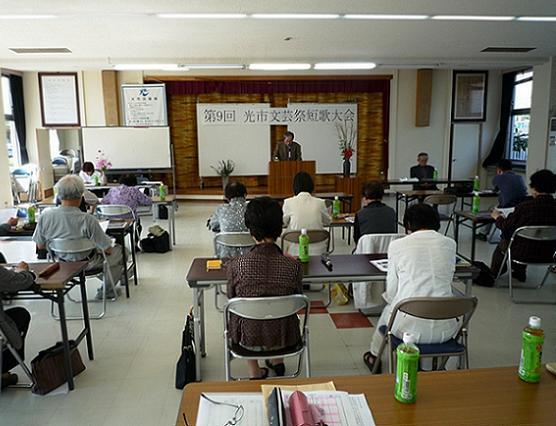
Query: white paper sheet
(381, 264)
(211, 414)
(6, 214)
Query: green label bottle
(476, 203)
(476, 184)
(532, 339)
(336, 207)
(162, 191)
(31, 210)
(96, 180)
(406, 370)
(304, 246)
(435, 175)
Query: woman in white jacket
(421, 264)
(305, 212)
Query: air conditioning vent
(39, 50)
(508, 49)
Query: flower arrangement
(102, 163)
(347, 136)
(224, 168)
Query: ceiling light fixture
(345, 66)
(201, 15)
(23, 17)
(472, 18)
(537, 18)
(295, 15)
(385, 17)
(150, 67)
(215, 66)
(279, 67)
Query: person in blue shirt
(511, 186)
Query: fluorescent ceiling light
(215, 66)
(202, 15)
(27, 17)
(472, 18)
(295, 15)
(150, 67)
(537, 18)
(279, 67)
(345, 66)
(386, 17)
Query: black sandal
(369, 359)
(262, 376)
(279, 369)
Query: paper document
(381, 264)
(104, 224)
(506, 212)
(6, 214)
(211, 414)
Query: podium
(281, 174)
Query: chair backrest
(59, 247)
(536, 233)
(267, 308)
(234, 240)
(441, 199)
(375, 243)
(107, 211)
(315, 236)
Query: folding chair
(432, 308)
(444, 200)
(267, 309)
(81, 248)
(544, 234)
(240, 243)
(10, 345)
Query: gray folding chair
(532, 233)
(11, 345)
(80, 248)
(448, 200)
(432, 308)
(240, 243)
(267, 309)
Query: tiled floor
(131, 380)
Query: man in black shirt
(422, 171)
(376, 217)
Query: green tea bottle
(304, 246)
(532, 339)
(476, 203)
(31, 212)
(406, 370)
(476, 184)
(162, 192)
(435, 175)
(336, 207)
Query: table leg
(197, 332)
(65, 340)
(86, 319)
(203, 328)
(456, 231)
(124, 261)
(474, 233)
(133, 254)
(173, 223)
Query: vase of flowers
(224, 170)
(347, 137)
(102, 164)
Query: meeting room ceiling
(102, 33)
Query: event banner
(144, 105)
(234, 114)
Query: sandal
(263, 376)
(279, 369)
(369, 359)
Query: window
(518, 134)
(11, 135)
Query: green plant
(224, 168)
(347, 135)
(520, 141)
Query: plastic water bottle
(96, 180)
(336, 207)
(162, 192)
(406, 370)
(476, 203)
(31, 211)
(304, 246)
(435, 175)
(532, 339)
(476, 184)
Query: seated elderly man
(68, 222)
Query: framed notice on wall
(469, 96)
(59, 98)
(144, 105)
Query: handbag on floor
(48, 367)
(157, 241)
(485, 277)
(185, 367)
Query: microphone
(326, 261)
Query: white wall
(93, 98)
(5, 189)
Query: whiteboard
(248, 146)
(319, 141)
(129, 147)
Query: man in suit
(289, 150)
(422, 171)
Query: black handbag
(185, 367)
(48, 367)
(485, 277)
(156, 244)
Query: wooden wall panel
(183, 131)
(111, 96)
